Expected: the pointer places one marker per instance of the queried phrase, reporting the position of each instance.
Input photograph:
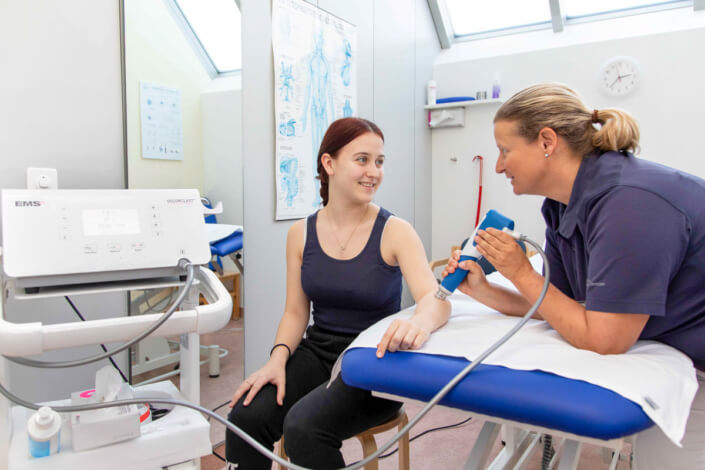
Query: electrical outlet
(42, 178)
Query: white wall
(668, 107)
(61, 98)
(157, 51)
(221, 113)
(396, 47)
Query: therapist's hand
(475, 282)
(271, 373)
(503, 252)
(403, 334)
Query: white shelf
(463, 104)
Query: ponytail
(558, 107)
(618, 131)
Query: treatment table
(534, 385)
(530, 403)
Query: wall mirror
(183, 95)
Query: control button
(137, 246)
(65, 236)
(114, 247)
(156, 225)
(90, 249)
(157, 233)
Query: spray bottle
(431, 93)
(495, 86)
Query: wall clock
(620, 76)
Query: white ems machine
(72, 242)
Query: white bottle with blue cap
(44, 432)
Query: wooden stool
(234, 278)
(369, 445)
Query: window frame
(196, 44)
(558, 22)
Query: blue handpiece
(491, 219)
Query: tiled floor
(443, 449)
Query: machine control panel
(63, 232)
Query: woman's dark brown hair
(339, 134)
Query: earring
(545, 155)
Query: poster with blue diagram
(315, 83)
(160, 119)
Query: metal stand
(182, 437)
(521, 442)
(153, 353)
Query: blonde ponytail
(558, 107)
(618, 131)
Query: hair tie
(594, 116)
(280, 344)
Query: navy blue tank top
(350, 295)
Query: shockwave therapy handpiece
(491, 219)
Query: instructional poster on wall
(160, 114)
(315, 83)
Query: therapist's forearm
(504, 300)
(565, 315)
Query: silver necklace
(341, 245)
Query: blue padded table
(534, 401)
(229, 245)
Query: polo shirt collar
(596, 175)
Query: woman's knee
(294, 423)
(298, 431)
(263, 409)
(244, 417)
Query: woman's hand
(403, 334)
(270, 373)
(474, 282)
(503, 252)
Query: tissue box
(97, 428)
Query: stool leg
(236, 297)
(404, 446)
(282, 453)
(369, 446)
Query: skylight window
(475, 17)
(581, 8)
(216, 26)
(465, 20)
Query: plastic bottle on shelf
(496, 86)
(44, 432)
(431, 92)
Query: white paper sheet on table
(216, 232)
(650, 373)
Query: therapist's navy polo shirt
(632, 240)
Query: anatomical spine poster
(315, 83)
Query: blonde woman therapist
(625, 239)
(346, 261)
